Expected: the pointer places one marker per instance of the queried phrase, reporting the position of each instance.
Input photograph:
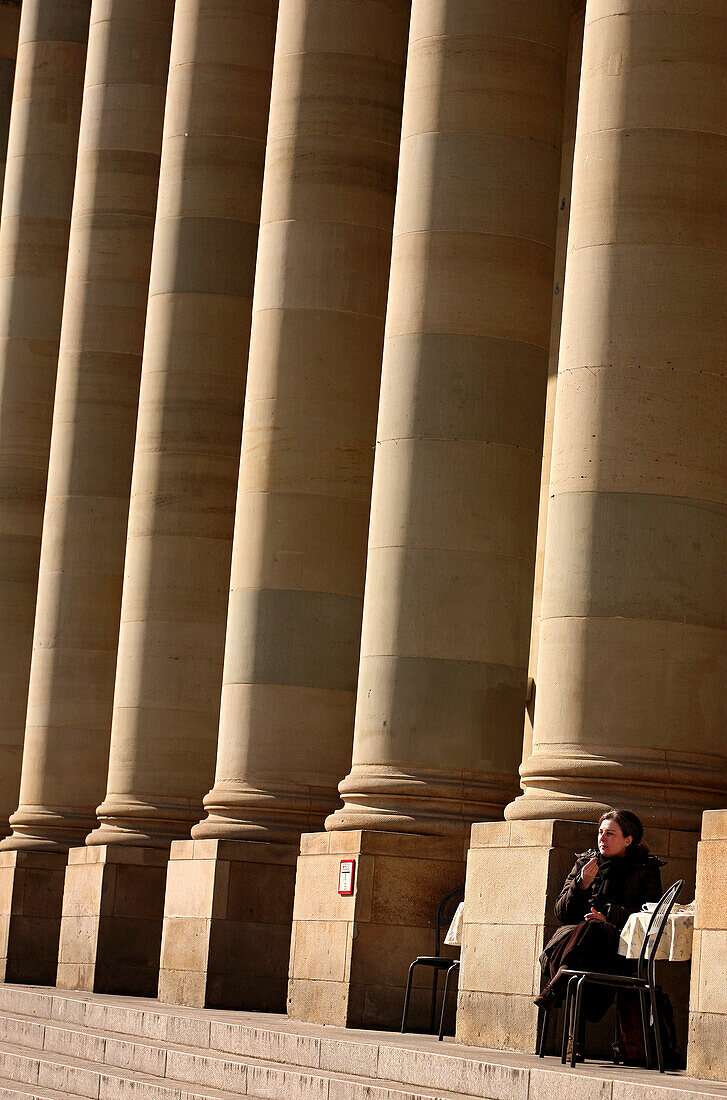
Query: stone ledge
(288, 1060)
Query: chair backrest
(655, 930)
(445, 914)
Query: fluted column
(9, 33)
(36, 214)
(174, 608)
(632, 671)
(84, 528)
(446, 624)
(313, 377)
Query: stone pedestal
(350, 956)
(111, 930)
(707, 1050)
(227, 914)
(515, 870)
(31, 890)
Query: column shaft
(174, 608)
(36, 214)
(313, 377)
(84, 527)
(9, 33)
(632, 669)
(570, 114)
(442, 682)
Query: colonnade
(235, 233)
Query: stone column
(632, 671)
(707, 1049)
(442, 683)
(94, 418)
(303, 501)
(570, 114)
(632, 668)
(42, 143)
(41, 163)
(174, 606)
(9, 33)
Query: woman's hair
(629, 824)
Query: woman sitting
(601, 892)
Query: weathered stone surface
(31, 893)
(111, 926)
(707, 1048)
(226, 937)
(350, 956)
(137, 1057)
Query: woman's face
(611, 840)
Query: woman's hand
(588, 873)
(595, 915)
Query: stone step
(165, 1041)
(122, 1048)
(52, 1076)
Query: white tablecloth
(454, 933)
(676, 943)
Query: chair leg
(645, 1027)
(616, 1032)
(433, 1009)
(567, 1017)
(407, 995)
(455, 966)
(576, 1022)
(657, 1030)
(543, 1032)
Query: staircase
(55, 1045)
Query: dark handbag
(630, 1046)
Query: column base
(707, 1049)
(31, 896)
(111, 930)
(350, 956)
(227, 917)
(515, 870)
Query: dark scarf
(612, 871)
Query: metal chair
(445, 912)
(643, 983)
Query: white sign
(345, 877)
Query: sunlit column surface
(442, 683)
(36, 214)
(94, 420)
(632, 670)
(310, 413)
(174, 608)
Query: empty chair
(438, 962)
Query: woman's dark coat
(620, 888)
